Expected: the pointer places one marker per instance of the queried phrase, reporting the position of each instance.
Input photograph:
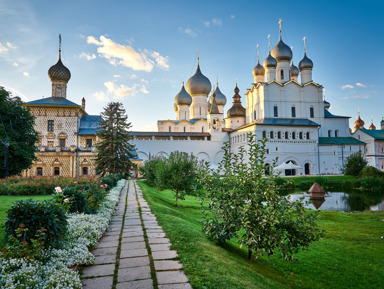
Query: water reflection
(344, 202)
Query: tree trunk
(249, 253)
(177, 194)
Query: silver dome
(59, 72)
(237, 110)
(282, 52)
(305, 63)
(183, 98)
(198, 84)
(294, 70)
(326, 104)
(258, 70)
(270, 62)
(221, 99)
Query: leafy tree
(178, 173)
(240, 202)
(354, 164)
(16, 125)
(149, 170)
(114, 150)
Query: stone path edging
(134, 252)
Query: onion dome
(294, 70)
(327, 105)
(59, 71)
(258, 70)
(221, 99)
(237, 110)
(372, 126)
(270, 62)
(183, 98)
(305, 63)
(359, 123)
(282, 52)
(198, 84)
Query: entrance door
(307, 169)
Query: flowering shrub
(51, 268)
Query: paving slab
(156, 235)
(167, 265)
(134, 262)
(133, 234)
(105, 259)
(109, 238)
(132, 239)
(104, 251)
(133, 253)
(112, 233)
(134, 245)
(171, 277)
(176, 286)
(132, 274)
(98, 270)
(160, 255)
(98, 283)
(141, 284)
(107, 244)
(160, 247)
(158, 241)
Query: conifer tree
(114, 150)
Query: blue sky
(139, 52)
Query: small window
(202, 129)
(56, 171)
(62, 142)
(293, 111)
(254, 115)
(89, 142)
(271, 135)
(267, 151)
(264, 134)
(282, 74)
(311, 112)
(50, 125)
(279, 134)
(308, 136)
(170, 129)
(286, 135)
(50, 143)
(336, 133)
(275, 111)
(329, 133)
(184, 129)
(294, 135)
(39, 172)
(300, 135)
(85, 171)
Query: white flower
(66, 200)
(58, 190)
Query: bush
(35, 216)
(77, 200)
(371, 172)
(354, 164)
(371, 184)
(284, 185)
(149, 170)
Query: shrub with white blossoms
(51, 271)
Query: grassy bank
(6, 202)
(348, 256)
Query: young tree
(16, 126)
(178, 173)
(241, 202)
(354, 164)
(114, 150)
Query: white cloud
(100, 96)
(110, 86)
(10, 45)
(144, 81)
(87, 56)
(217, 22)
(26, 74)
(347, 86)
(358, 96)
(161, 61)
(232, 16)
(6, 47)
(123, 90)
(144, 90)
(3, 49)
(207, 23)
(188, 31)
(15, 64)
(118, 54)
(116, 76)
(360, 85)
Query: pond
(343, 201)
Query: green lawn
(350, 255)
(6, 202)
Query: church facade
(283, 105)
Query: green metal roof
(375, 133)
(285, 122)
(339, 141)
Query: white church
(284, 105)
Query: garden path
(134, 252)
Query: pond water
(343, 202)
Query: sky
(139, 52)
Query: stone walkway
(134, 252)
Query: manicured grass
(350, 255)
(6, 202)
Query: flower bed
(51, 270)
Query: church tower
(214, 119)
(306, 66)
(236, 114)
(270, 64)
(283, 54)
(182, 102)
(59, 76)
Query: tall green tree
(16, 125)
(241, 202)
(178, 173)
(354, 164)
(115, 150)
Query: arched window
(202, 129)
(271, 135)
(39, 171)
(184, 129)
(282, 74)
(293, 111)
(85, 171)
(170, 129)
(336, 133)
(264, 134)
(275, 111)
(311, 112)
(294, 135)
(279, 134)
(286, 135)
(308, 136)
(330, 133)
(254, 115)
(56, 171)
(301, 135)
(307, 168)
